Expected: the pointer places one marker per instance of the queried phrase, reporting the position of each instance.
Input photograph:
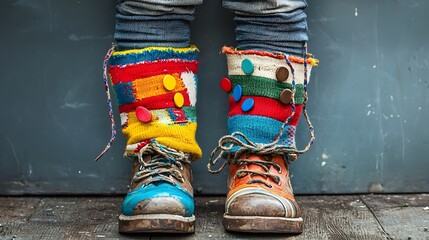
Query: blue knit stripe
(261, 129)
(124, 93)
(152, 55)
(191, 113)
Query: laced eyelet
(279, 169)
(141, 167)
(279, 183)
(182, 180)
(180, 165)
(270, 186)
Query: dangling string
(109, 103)
(292, 103)
(311, 129)
(229, 142)
(304, 109)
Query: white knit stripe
(129, 149)
(124, 119)
(162, 116)
(265, 66)
(191, 84)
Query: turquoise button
(247, 66)
(238, 92)
(247, 104)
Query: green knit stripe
(265, 87)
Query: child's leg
(153, 74)
(270, 25)
(148, 23)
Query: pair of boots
(156, 92)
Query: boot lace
(265, 165)
(162, 166)
(109, 102)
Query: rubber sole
(162, 223)
(258, 224)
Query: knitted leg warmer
(261, 94)
(267, 94)
(156, 91)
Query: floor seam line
(376, 218)
(36, 206)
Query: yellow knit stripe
(153, 86)
(178, 136)
(137, 51)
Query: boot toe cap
(261, 203)
(163, 198)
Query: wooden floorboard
(15, 214)
(402, 216)
(338, 217)
(326, 217)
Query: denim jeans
(268, 25)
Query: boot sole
(260, 224)
(162, 223)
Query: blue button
(247, 104)
(238, 92)
(247, 66)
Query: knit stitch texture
(138, 78)
(256, 109)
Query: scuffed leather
(254, 199)
(256, 205)
(165, 204)
(160, 205)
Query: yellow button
(179, 100)
(169, 82)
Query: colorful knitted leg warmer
(266, 97)
(156, 91)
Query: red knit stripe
(131, 72)
(156, 102)
(140, 145)
(266, 107)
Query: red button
(143, 115)
(226, 85)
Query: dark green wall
(368, 98)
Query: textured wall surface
(368, 98)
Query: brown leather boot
(160, 198)
(260, 197)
